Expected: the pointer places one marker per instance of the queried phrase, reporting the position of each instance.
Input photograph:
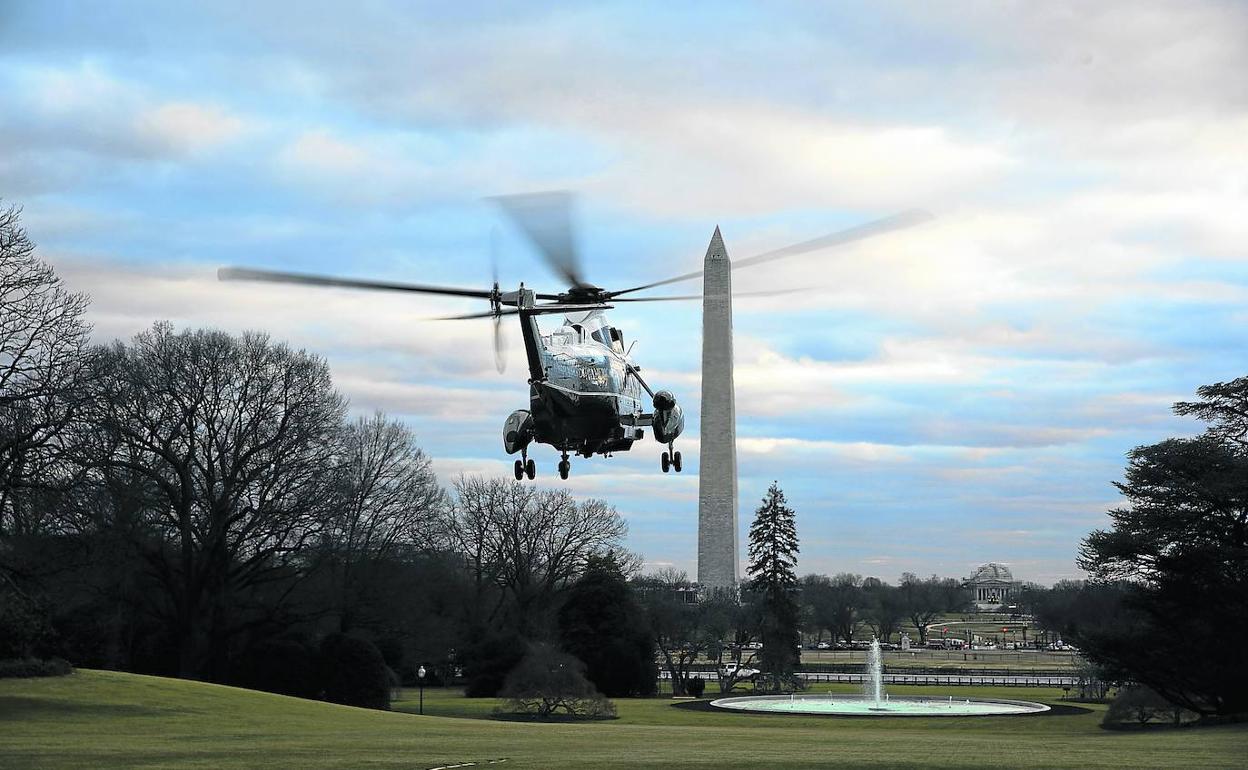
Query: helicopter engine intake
(517, 431)
(669, 418)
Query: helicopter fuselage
(586, 395)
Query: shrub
(24, 625)
(283, 666)
(1137, 705)
(695, 686)
(353, 673)
(548, 681)
(16, 668)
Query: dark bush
(353, 672)
(283, 666)
(16, 668)
(695, 686)
(24, 625)
(487, 663)
(392, 652)
(602, 625)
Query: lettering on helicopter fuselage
(593, 375)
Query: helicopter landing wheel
(665, 462)
(564, 468)
(519, 470)
(676, 461)
(530, 469)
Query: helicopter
(586, 394)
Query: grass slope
(100, 719)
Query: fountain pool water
(874, 702)
(858, 705)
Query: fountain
(875, 702)
(873, 687)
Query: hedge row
(13, 668)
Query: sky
(959, 392)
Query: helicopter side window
(617, 340)
(601, 336)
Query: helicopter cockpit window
(580, 332)
(601, 336)
(617, 340)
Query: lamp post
(420, 674)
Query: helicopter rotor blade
(471, 316)
(307, 279)
(735, 294)
(838, 238)
(500, 353)
(546, 219)
(494, 255)
(500, 358)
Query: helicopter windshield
(611, 337)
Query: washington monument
(718, 555)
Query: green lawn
(104, 719)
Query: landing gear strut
(670, 461)
(564, 467)
(525, 467)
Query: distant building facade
(991, 586)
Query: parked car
(823, 646)
(739, 670)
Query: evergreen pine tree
(773, 583)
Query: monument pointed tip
(716, 250)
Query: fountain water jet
(873, 685)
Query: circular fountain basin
(861, 705)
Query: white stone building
(992, 586)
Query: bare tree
(682, 627)
(529, 543)
(926, 599)
(390, 501)
(43, 359)
(234, 440)
(885, 608)
(835, 603)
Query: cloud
(319, 151)
(185, 127)
(749, 158)
(67, 126)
